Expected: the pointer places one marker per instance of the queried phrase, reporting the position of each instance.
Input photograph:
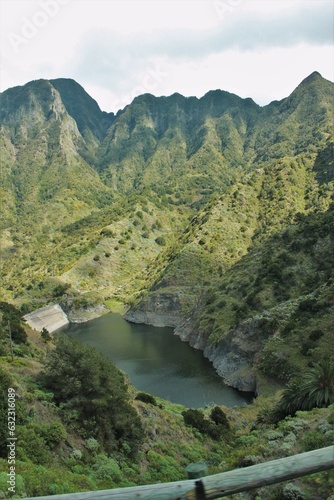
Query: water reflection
(157, 361)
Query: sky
(120, 49)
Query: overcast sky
(119, 49)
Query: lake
(157, 361)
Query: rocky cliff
(161, 309)
(233, 357)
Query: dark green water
(157, 361)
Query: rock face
(50, 317)
(160, 309)
(86, 314)
(233, 357)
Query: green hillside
(215, 205)
(213, 216)
(82, 427)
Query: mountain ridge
(160, 203)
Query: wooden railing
(218, 485)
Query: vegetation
(220, 206)
(81, 428)
(146, 398)
(92, 394)
(314, 389)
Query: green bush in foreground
(196, 419)
(314, 390)
(92, 392)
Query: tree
(318, 385)
(13, 316)
(219, 417)
(314, 390)
(91, 388)
(45, 335)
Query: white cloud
(120, 49)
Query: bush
(32, 445)
(92, 445)
(60, 289)
(196, 419)
(292, 492)
(107, 233)
(92, 392)
(54, 434)
(160, 241)
(219, 417)
(314, 390)
(146, 398)
(12, 316)
(45, 335)
(106, 468)
(76, 454)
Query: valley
(212, 216)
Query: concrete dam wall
(50, 317)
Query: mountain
(45, 157)
(211, 215)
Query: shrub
(76, 454)
(92, 391)
(315, 389)
(160, 241)
(59, 290)
(196, 419)
(92, 445)
(12, 317)
(330, 418)
(45, 335)
(106, 232)
(219, 417)
(146, 398)
(106, 469)
(31, 445)
(292, 492)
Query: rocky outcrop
(86, 313)
(233, 357)
(160, 309)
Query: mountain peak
(82, 107)
(312, 77)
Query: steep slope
(293, 175)
(45, 177)
(171, 207)
(91, 121)
(192, 145)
